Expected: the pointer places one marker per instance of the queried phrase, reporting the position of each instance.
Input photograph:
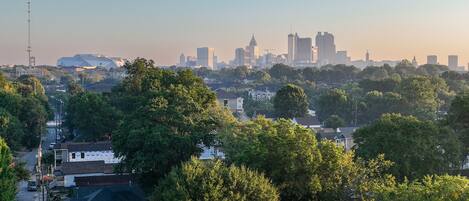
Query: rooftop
(88, 146)
(87, 167)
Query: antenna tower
(31, 59)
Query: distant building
(91, 60)
(182, 60)
(258, 95)
(342, 136)
(414, 62)
(205, 57)
(453, 62)
(248, 56)
(240, 55)
(308, 121)
(300, 50)
(230, 100)
(342, 57)
(326, 48)
(432, 59)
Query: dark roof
(87, 167)
(109, 193)
(221, 94)
(331, 134)
(88, 146)
(308, 120)
(104, 180)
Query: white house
(230, 100)
(71, 170)
(85, 152)
(259, 95)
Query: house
(84, 152)
(259, 95)
(210, 153)
(121, 192)
(230, 100)
(308, 121)
(69, 171)
(342, 136)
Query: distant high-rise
(239, 57)
(341, 57)
(252, 52)
(453, 62)
(367, 57)
(432, 59)
(300, 50)
(414, 62)
(205, 57)
(182, 60)
(326, 48)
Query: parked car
(32, 185)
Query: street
(30, 159)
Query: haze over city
(161, 30)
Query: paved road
(30, 159)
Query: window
(73, 156)
(82, 155)
(225, 102)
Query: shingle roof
(93, 146)
(221, 94)
(308, 120)
(87, 167)
(104, 180)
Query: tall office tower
(291, 48)
(240, 57)
(341, 57)
(432, 59)
(300, 50)
(367, 57)
(215, 62)
(252, 52)
(326, 48)
(453, 62)
(182, 60)
(205, 57)
(315, 55)
(304, 51)
(414, 62)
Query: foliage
(416, 147)
(458, 118)
(7, 173)
(291, 101)
(253, 107)
(10, 129)
(334, 122)
(333, 102)
(430, 188)
(167, 116)
(211, 180)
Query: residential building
(84, 152)
(91, 60)
(230, 100)
(342, 136)
(308, 121)
(326, 48)
(67, 173)
(205, 57)
(432, 59)
(261, 95)
(116, 192)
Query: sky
(163, 29)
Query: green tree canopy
(291, 101)
(458, 118)
(7, 173)
(333, 102)
(168, 115)
(211, 180)
(416, 147)
(10, 129)
(334, 122)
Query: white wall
(106, 156)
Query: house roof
(109, 193)
(89, 146)
(104, 180)
(307, 120)
(222, 94)
(87, 167)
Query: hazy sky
(162, 29)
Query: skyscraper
(367, 57)
(300, 50)
(453, 62)
(414, 62)
(205, 57)
(182, 60)
(341, 57)
(239, 57)
(326, 48)
(432, 59)
(252, 52)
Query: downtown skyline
(388, 30)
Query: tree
(416, 147)
(333, 102)
(291, 101)
(168, 115)
(92, 116)
(298, 165)
(458, 119)
(420, 96)
(7, 173)
(10, 129)
(334, 122)
(34, 117)
(211, 180)
(430, 188)
(283, 72)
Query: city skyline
(386, 29)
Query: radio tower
(31, 59)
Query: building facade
(432, 59)
(205, 57)
(326, 48)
